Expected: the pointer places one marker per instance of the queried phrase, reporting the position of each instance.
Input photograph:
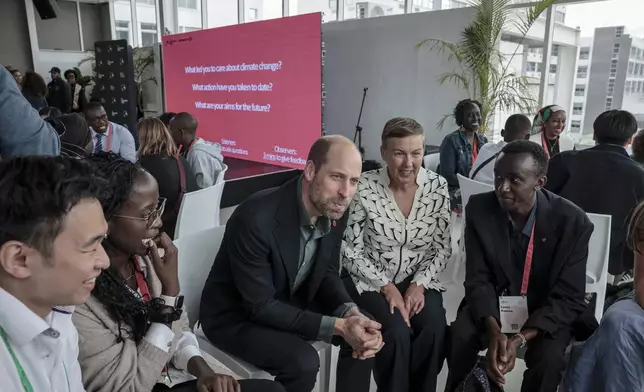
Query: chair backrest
(431, 161)
(598, 248)
(197, 252)
(222, 173)
(199, 210)
(470, 187)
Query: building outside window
(575, 126)
(631, 65)
(188, 29)
(122, 28)
(584, 53)
(457, 4)
(627, 87)
(580, 90)
(619, 31)
(148, 2)
(252, 14)
(553, 68)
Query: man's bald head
(319, 152)
(185, 122)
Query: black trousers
(411, 358)
(291, 359)
(545, 357)
(246, 386)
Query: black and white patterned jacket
(381, 246)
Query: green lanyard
(21, 372)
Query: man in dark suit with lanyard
(526, 267)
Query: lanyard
(110, 131)
(188, 148)
(544, 143)
(475, 149)
(528, 263)
(21, 371)
(141, 282)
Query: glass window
(329, 8)
(553, 68)
(580, 90)
(619, 31)
(123, 20)
(190, 4)
(641, 70)
(531, 66)
(610, 91)
(458, 4)
(582, 72)
(355, 9)
(637, 68)
(148, 34)
(555, 50)
(575, 126)
(633, 52)
(223, 12)
(560, 16)
(577, 108)
(584, 53)
(631, 65)
(639, 86)
(420, 5)
(627, 86)
(262, 10)
(186, 29)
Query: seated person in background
(547, 130)
(108, 136)
(604, 180)
(133, 334)
(166, 117)
(638, 147)
(36, 137)
(204, 157)
(17, 76)
(49, 111)
(517, 127)
(396, 244)
(525, 274)
(612, 360)
(79, 99)
(34, 89)
(51, 228)
(76, 142)
(275, 286)
(159, 156)
(461, 147)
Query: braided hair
(459, 110)
(111, 290)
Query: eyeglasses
(151, 217)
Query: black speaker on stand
(47, 9)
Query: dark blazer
(558, 275)
(601, 180)
(60, 95)
(166, 171)
(254, 271)
(456, 157)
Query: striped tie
(99, 143)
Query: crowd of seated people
(89, 276)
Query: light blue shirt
(121, 142)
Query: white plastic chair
(431, 161)
(220, 176)
(597, 265)
(197, 252)
(199, 210)
(468, 188)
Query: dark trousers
(291, 359)
(411, 358)
(545, 356)
(246, 386)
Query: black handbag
(477, 380)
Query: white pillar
(547, 53)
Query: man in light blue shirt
(22, 131)
(108, 136)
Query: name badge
(514, 313)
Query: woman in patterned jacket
(396, 243)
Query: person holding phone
(133, 330)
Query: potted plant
(483, 70)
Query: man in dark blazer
(275, 285)
(517, 231)
(604, 180)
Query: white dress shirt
(120, 140)
(47, 349)
(486, 174)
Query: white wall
(380, 53)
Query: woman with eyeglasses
(133, 330)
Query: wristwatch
(175, 302)
(166, 318)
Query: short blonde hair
(399, 127)
(155, 139)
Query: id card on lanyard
(514, 309)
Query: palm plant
(483, 69)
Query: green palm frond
(484, 72)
